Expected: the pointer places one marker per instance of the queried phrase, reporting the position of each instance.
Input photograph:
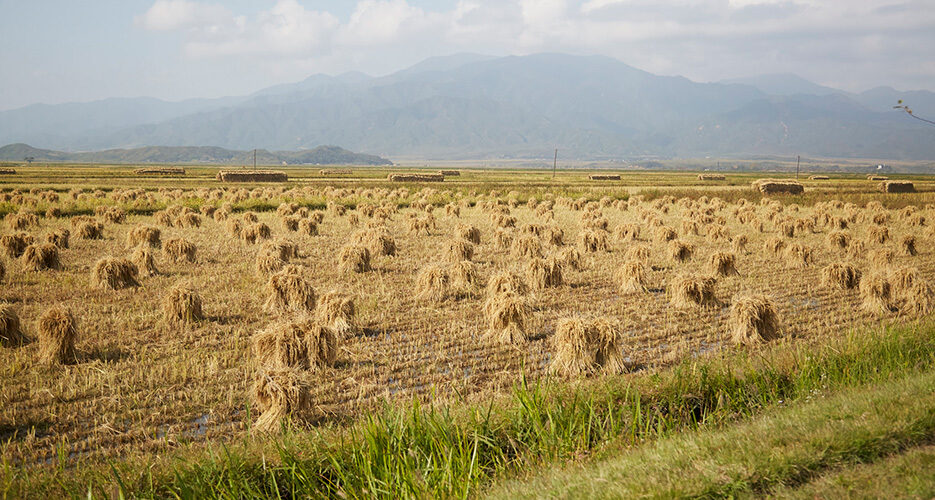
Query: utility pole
(554, 161)
(254, 159)
(797, 158)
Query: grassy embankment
(748, 422)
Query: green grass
(784, 447)
(457, 451)
(903, 475)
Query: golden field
(139, 381)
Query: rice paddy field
(162, 311)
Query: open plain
(447, 292)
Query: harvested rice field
(185, 309)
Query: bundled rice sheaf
(753, 320)
(787, 229)
(838, 240)
(592, 241)
(503, 239)
(876, 293)
(723, 264)
(145, 261)
(38, 257)
(689, 291)
(113, 273)
(463, 278)
(182, 305)
(631, 277)
(144, 235)
(640, 253)
(627, 232)
(302, 342)
(818, 177)
(11, 330)
(664, 233)
(2, 271)
(21, 221)
(53, 213)
(570, 257)
(179, 250)
(711, 177)
(188, 220)
(251, 176)
(290, 223)
(459, 250)
(544, 273)
(279, 394)
(15, 244)
(288, 291)
(469, 233)
(336, 311)
(679, 251)
(910, 292)
(907, 246)
(284, 249)
(308, 227)
(355, 259)
(59, 238)
(255, 232)
(774, 245)
(878, 234)
(114, 215)
(506, 282)
(586, 345)
(90, 230)
(897, 187)
(799, 255)
(604, 177)
(267, 263)
(526, 245)
(163, 218)
(234, 227)
(555, 236)
(507, 315)
(57, 331)
(903, 279)
(856, 250)
(381, 243)
(739, 243)
(841, 276)
(433, 284)
(505, 221)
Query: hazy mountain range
(322, 155)
(473, 106)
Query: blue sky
(57, 51)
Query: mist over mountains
(473, 106)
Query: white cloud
(703, 39)
(170, 15)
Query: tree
(908, 110)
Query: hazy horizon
(174, 50)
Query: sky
(54, 51)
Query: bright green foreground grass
(460, 451)
(783, 447)
(906, 475)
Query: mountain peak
(783, 84)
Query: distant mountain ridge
(469, 106)
(322, 155)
